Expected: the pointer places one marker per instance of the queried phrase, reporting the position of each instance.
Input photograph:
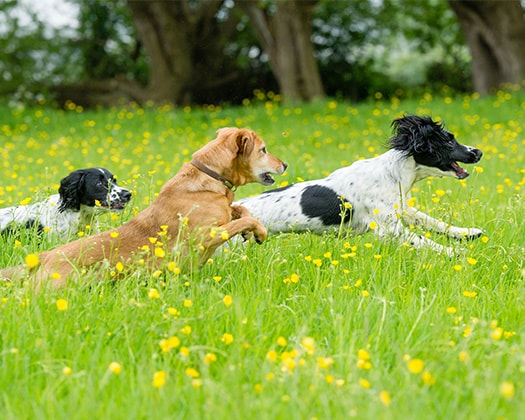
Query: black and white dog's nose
(477, 154)
(125, 195)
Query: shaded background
(95, 52)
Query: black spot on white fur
(324, 203)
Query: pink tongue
(460, 172)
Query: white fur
(59, 224)
(378, 190)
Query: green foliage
(362, 47)
(30, 54)
(390, 47)
(108, 43)
(301, 326)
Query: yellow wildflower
(159, 379)
(153, 294)
(384, 397)
(507, 390)
(61, 304)
(210, 358)
(227, 338)
(192, 373)
(416, 366)
(32, 260)
(227, 300)
(115, 368)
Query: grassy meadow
(300, 327)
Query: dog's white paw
(474, 233)
(464, 233)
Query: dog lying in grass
(80, 196)
(192, 209)
(373, 193)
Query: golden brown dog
(194, 207)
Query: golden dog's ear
(226, 131)
(245, 142)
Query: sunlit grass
(302, 326)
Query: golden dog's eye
(263, 150)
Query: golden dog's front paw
(260, 234)
(246, 236)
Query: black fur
(323, 202)
(86, 186)
(31, 225)
(429, 143)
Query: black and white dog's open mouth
(460, 172)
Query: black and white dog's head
(435, 150)
(92, 187)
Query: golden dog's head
(240, 155)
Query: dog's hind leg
(404, 235)
(417, 217)
(418, 241)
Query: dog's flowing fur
(80, 195)
(373, 193)
(193, 207)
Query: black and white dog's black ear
(70, 190)
(411, 134)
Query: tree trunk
(180, 38)
(495, 34)
(285, 37)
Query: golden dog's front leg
(242, 226)
(239, 212)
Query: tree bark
(178, 36)
(495, 34)
(285, 36)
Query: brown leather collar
(213, 174)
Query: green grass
(277, 330)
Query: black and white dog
(80, 195)
(373, 193)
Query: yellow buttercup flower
(416, 365)
(61, 304)
(153, 294)
(32, 260)
(192, 373)
(115, 368)
(159, 379)
(210, 358)
(384, 397)
(227, 338)
(308, 344)
(227, 300)
(507, 390)
(281, 341)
